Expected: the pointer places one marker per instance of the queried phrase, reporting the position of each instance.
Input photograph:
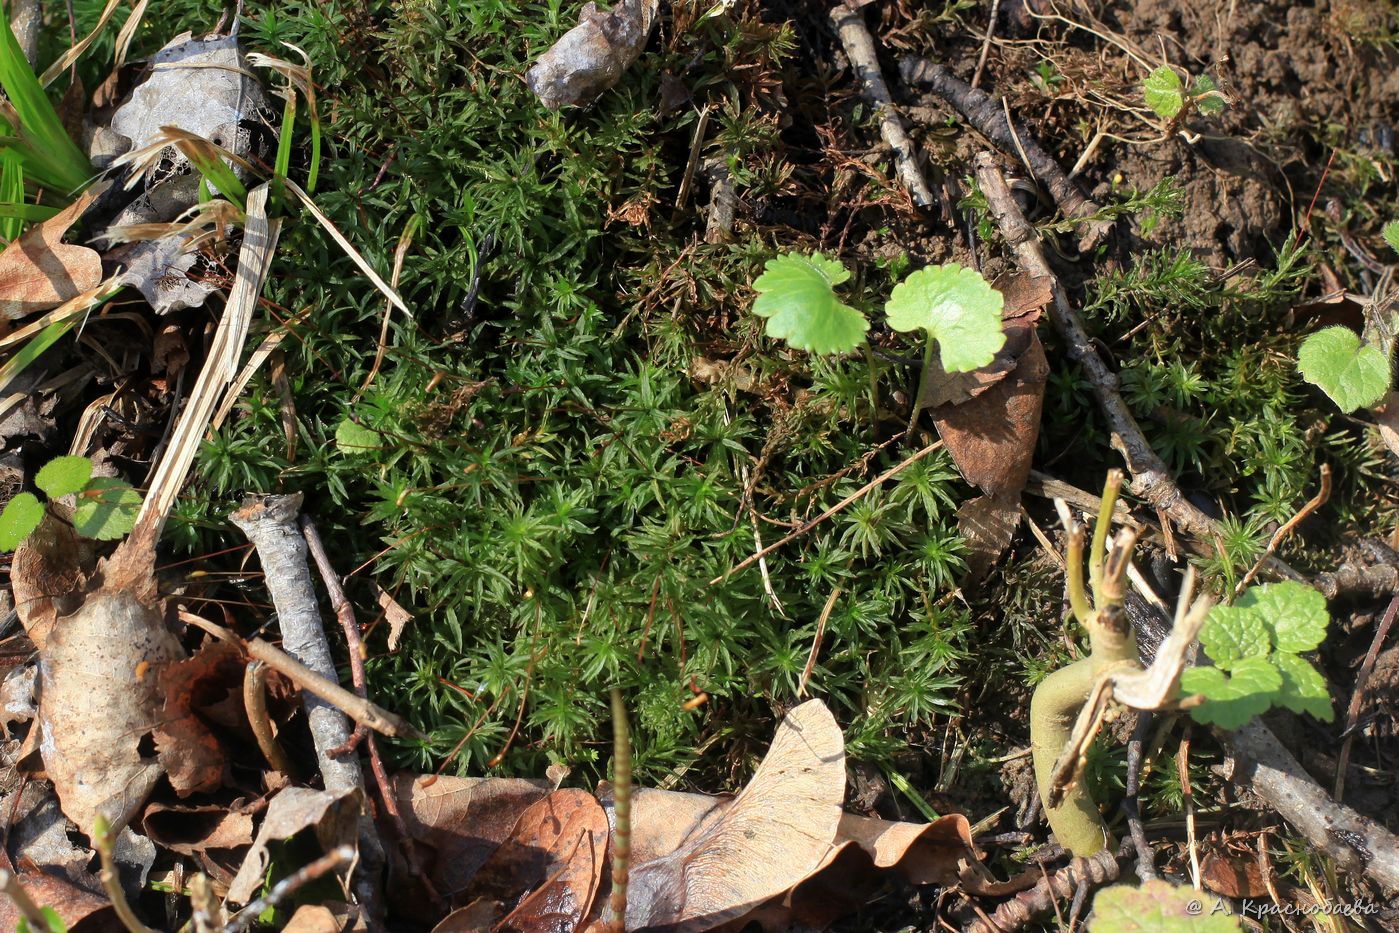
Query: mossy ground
(582, 425)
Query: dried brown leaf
(992, 437)
(332, 816)
(99, 676)
(772, 836)
(189, 752)
(1387, 417)
(39, 271)
(547, 872)
(81, 911)
(479, 916)
(1235, 875)
(591, 57)
(49, 572)
(193, 830)
(988, 526)
(397, 616)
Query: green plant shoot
(957, 308)
(796, 294)
(106, 508)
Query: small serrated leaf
(63, 475)
(1391, 234)
(21, 516)
(1352, 374)
(957, 307)
(354, 439)
(106, 509)
(796, 294)
(1234, 632)
(1156, 906)
(1208, 99)
(1163, 91)
(1295, 612)
(1303, 688)
(1231, 700)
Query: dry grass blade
(220, 368)
(269, 343)
(81, 46)
(345, 245)
(127, 33)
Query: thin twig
(843, 504)
(1357, 697)
(29, 910)
(1151, 477)
(621, 804)
(816, 641)
(859, 48)
(102, 836)
(338, 858)
(1131, 805)
(986, 43)
(345, 613)
(255, 704)
(1183, 773)
(1041, 900)
(1316, 502)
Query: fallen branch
(1151, 478)
(859, 48)
(1355, 843)
(991, 120)
(1038, 902)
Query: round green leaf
(1303, 688)
(354, 439)
(1159, 907)
(957, 307)
(796, 294)
(1162, 89)
(22, 515)
(1232, 700)
(1234, 632)
(1295, 612)
(1351, 374)
(106, 509)
(63, 475)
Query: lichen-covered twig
(859, 48)
(989, 119)
(1151, 478)
(1038, 902)
(615, 921)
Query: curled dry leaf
(554, 858)
(39, 272)
(397, 616)
(99, 675)
(988, 526)
(191, 830)
(188, 751)
(774, 834)
(460, 821)
(80, 910)
(332, 815)
(591, 57)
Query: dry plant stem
(345, 613)
(206, 916)
(335, 860)
(987, 116)
(1317, 501)
(1151, 478)
(986, 43)
(1356, 843)
(1146, 859)
(1357, 697)
(255, 704)
(356, 707)
(621, 833)
(102, 836)
(1188, 795)
(859, 48)
(1040, 901)
(29, 910)
(816, 641)
(840, 506)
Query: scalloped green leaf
(1232, 699)
(796, 295)
(1391, 234)
(1295, 612)
(1164, 92)
(1157, 907)
(106, 509)
(63, 475)
(1234, 632)
(1303, 687)
(1208, 99)
(1352, 374)
(355, 440)
(21, 516)
(957, 307)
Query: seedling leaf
(1351, 374)
(1157, 906)
(796, 294)
(22, 515)
(1232, 633)
(1295, 612)
(1208, 100)
(1163, 91)
(354, 439)
(957, 307)
(63, 475)
(1233, 699)
(106, 509)
(1391, 234)
(1303, 687)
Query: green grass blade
(11, 193)
(39, 122)
(283, 161)
(29, 213)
